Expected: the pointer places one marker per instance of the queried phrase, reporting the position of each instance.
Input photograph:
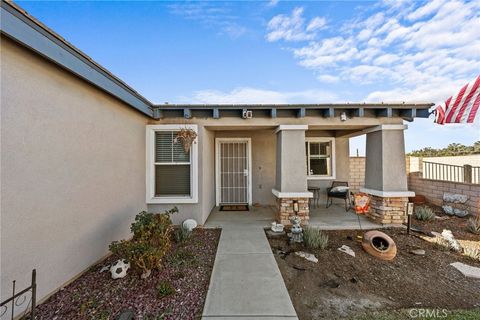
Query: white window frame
(332, 174)
(150, 174)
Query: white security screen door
(233, 171)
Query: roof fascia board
(23, 30)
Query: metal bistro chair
(332, 193)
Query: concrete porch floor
(333, 218)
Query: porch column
(386, 174)
(291, 174)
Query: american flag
(461, 108)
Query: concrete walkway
(246, 282)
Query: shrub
(424, 213)
(182, 234)
(473, 224)
(165, 289)
(150, 241)
(181, 258)
(314, 238)
(473, 253)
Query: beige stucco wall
(73, 171)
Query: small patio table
(316, 195)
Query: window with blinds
(172, 166)
(319, 158)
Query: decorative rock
(448, 210)
(454, 244)
(460, 213)
(418, 252)
(119, 269)
(307, 256)
(272, 234)
(466, 270)
(189, 224)
(105, 268)
(347, 250)
(441, 218)
(277, 227)
(455, 198)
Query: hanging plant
(186, 137)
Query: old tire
(379, 245)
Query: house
(82, 153)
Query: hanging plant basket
(186, 137)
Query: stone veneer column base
(388, 210)
(285, 210)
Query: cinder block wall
(433, 190)
(357, 173)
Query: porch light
(343, 116)
(295, 206)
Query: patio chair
(339, 190)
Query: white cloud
(272, 3)
(293, 27)
(215, 15)
(243, 95)
(328, 78)
(316, 24)
(416, 51)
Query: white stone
(307, 256)
(455, 198)
(466, 270)
(346, 249)
(277, 227)
(105, 268)
(119, 269)
(453, 243)
(189, 224)
(418, 252)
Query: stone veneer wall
(388, 210)
(285, 210)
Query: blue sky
(284, 52)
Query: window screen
(172, 166)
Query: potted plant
(186, 137)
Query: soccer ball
(119, 269)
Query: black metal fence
(20, 300)
(449, 172)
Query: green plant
(181, 258)
(473, 224)
(150, 241)
(182, 234)
(315, 238)
(165, 289)
(424, 213)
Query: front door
(233, 171)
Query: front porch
(333, 218)
(277, 167)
